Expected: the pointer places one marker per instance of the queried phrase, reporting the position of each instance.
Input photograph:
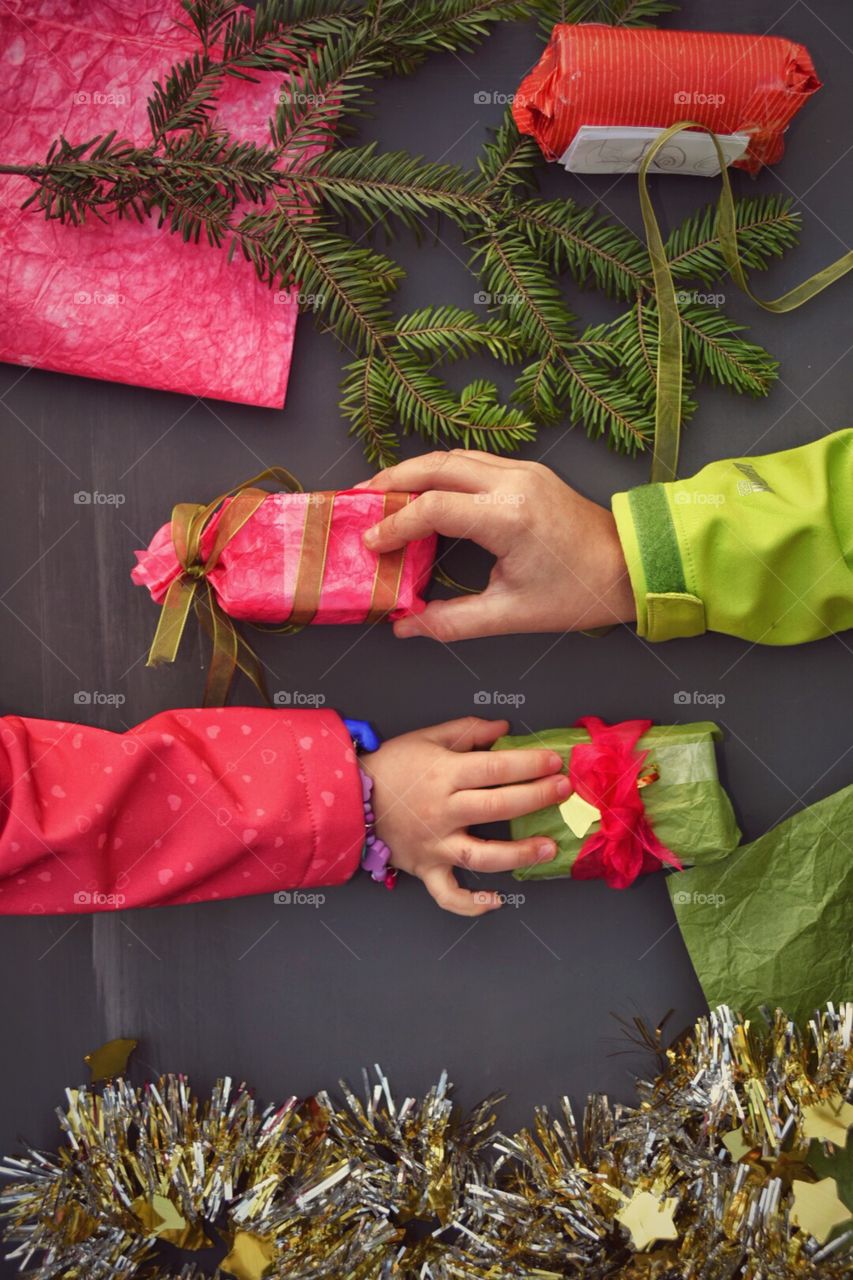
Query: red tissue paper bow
(605, 772)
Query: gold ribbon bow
(670, 356)
(192, 587)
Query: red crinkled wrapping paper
(256, 573)
(124, 301)
(599, 75)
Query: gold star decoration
(158, 1215)
(110, 1060)
(816, 1208)
(250, 1258)
(162, 1219)
(736, 1144)
(579, 815)
(829, 1120)
(648, 1219)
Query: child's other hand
(431, 785)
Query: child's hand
(559, 562)
(431, 785)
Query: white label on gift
(620, 149)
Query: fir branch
(634, 13)
(109, 174)
(424, 404)
(449, 333)
(346, 286)
(590, 392)
(413, 31)
(321, 99)
(606, 405)
(573, 377)
(509, 160)
(187, 97)
(633, 339)
(269, 38)
(713, 347)
(394, 385)
(377, 187)
(394, 36)
(767, 226)
(521, 290)
(206, 17)
(586, 244)
(539, 387)
(367, 402)
(617, 13)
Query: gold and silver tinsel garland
(730, 1165)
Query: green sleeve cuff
(666, 607)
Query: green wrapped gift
(686, 804)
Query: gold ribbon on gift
(670, 355)
(230, 650)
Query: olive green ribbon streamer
(445, 580)
(192, 588)
(670, 354)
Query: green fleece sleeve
(760, 548)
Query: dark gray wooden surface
(291, 999)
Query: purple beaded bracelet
(376, 856)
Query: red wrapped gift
(285, 559)
(598, 95)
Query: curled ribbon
(670, 355)
(606, 772)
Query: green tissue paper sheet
(773, 924)
(687, 806)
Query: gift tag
(578, 814)
(620, 149)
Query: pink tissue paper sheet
(124, 301)
(255, 576)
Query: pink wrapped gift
(290, 559)
(122, 300)
(262, 574)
